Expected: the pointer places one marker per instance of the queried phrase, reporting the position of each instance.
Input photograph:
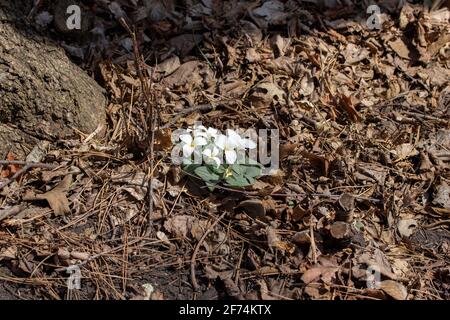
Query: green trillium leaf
(237, 181)
(237, 169)
(211, 186)
(206, 174)
(220, 170)
(253, 171)
(190, 168)
(250, 180)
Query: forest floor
(363, 186)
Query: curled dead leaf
(406, 227)
(347, 201)
(56, 198)
(394, 289)
(253, 207)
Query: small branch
(11, 212)
(201, 107)
(31, 164)
(152, 119)
(197, 247)
(26, 166)
(436, 224)
(98, 255)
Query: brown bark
(43, 95)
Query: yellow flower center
(228, 172)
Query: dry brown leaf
(168, 66)
(264, 93)
(8, 253)
(346, 102)
(188, 74)
(395, 289)
(406, 227)
(404, 151)
(279, 44)
(354, 54)
(442, 195)
(252, 55)
(321, 161)
(184, 43)
(271, 12)
(326, 273)
(252, 31)
(253, 207)
(400, 48)
(275, 242)
(57, 197)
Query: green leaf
(206, 174)
(211, 186)
(252, 171)
(220, 170)
(237, 181)
(237, 169)
(190, 168)
(250, 180)
(251, 162)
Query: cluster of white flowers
(210, 144)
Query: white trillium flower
(190, 144)
(208, 133)
(231, 143)
(211, 155)
(210, 143)
(228, 145)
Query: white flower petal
(221, 141)
(231, 144)
(207, 153)
(200, 141)
(187, 150)
(215, 152)
(217, 161)
(230, 156)
(212, 132)
(233, 139)
(201, 128)
(186, 138)
(200, 133)
(233, 134)
(247, 143)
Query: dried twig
(200, 107)
(11, 211)
(96, 256)
(26, 166)
(151, 119)
(436, 224)
(197, 247)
